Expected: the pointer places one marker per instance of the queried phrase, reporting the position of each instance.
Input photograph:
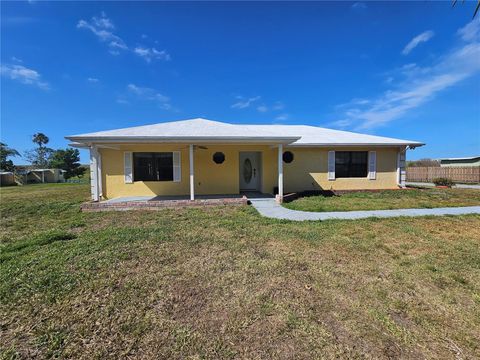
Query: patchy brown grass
(225, 283)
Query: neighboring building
(7, 178)
(44, 176)
(207, 157)
(460, 162)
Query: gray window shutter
(177, 169)
(372, 165)
(128, 167)
(331, 165)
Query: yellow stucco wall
(210, 178)
(308, 171)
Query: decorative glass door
(249, 171)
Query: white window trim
(372, 166)
(128, 170)
(177, 166)
(331, 165)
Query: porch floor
(248, 194)
(162, 202)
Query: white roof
(462, 158)
(203, 130)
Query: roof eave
(78, 141)
(411, 144)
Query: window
(153, 166)
(351, 164)
(219, 157)
(287, 157)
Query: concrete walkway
(458, 186)
(269, 208)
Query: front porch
(185, 171)
(172, 201)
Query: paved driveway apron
(269, 208)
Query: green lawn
(225, 283)
(388, 199)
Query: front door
(250, 171)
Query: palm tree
(40, 139)
(5, 153)
(39, 156)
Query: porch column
(192, 180)
(99, 175)
(280, 172)
(94, 173)
(401, 172)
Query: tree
(40, 139)
(424, 163)
(67, 160)
(40, 155)
(5, 153)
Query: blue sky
(406, 69)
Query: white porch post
(99, 174)
(43, 176)
(94, 173)
(280, 172)
(192, 180)
(401, 172)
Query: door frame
(259, 170)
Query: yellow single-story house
(206, 157)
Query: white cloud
(282, 117)
(471, 31)
(419, 85)
(243, 103)
(138, 90)
(103, 28)
(353, 102)
(359, 6)
(341, 123)
(17, 60)
(24, 75)
(103, 21)
(93, 80)
(149, 94)
(278, 106)
(423, 37)
(121, 100)
(150, 54)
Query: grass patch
(225, 283)
(388, 199)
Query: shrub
(443, 182)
